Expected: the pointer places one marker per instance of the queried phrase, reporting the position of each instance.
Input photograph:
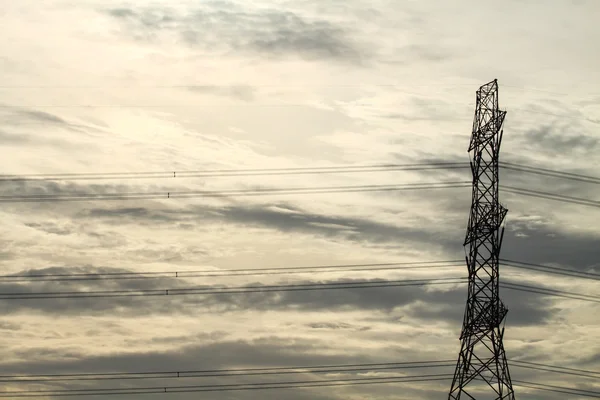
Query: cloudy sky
(153, 85)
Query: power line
(226, 387)
(233, 272)
(587, 371)
(316, 269)
(236, 372)
(558, 389)
(550, 269)
(278, 385)
(552, 388)
(551, 292)
(283, 288)
(316, 369)
(290, 171)
(552, 196)
(562, 115)
(230, 289)
(593, 375)
(241, 192)
(235, 172)
(283, 191)
(37, 198)
(549, 172)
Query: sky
(134, 86)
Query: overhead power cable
(277, 385)
(585, 371)
(37, 198)
(226, 387)
(557, 370)
(312, 369)
(558, 389)
(340, 169)
(549, 172)
(242, 192)
(551, 292)
(317, 269)
(282, 288)
(550, 269)
(551, 196)
(236, 172)
(553, 388)
(33, 277)
(228, 289)
(236, 372)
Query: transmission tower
(482, 368)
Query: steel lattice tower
(482, 368)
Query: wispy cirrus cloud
(223, 26)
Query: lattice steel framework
(482, 368)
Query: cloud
(547, 245)
(524, 241)
(241, 92)
(525, 309)
(60, 188)
(50, 227)
(337, 326)
(122, 12)
(265, 352)
(9, 326)
(221, 302)
(43, 117)
(268, 32)
(48, 132)
(14, 115)
(354, 229)
(554, 139)
(425, 109)
(26, 140)
(287, 219)
(16, 118)
(12, 139)
(422, 302)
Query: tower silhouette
(482, 367)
